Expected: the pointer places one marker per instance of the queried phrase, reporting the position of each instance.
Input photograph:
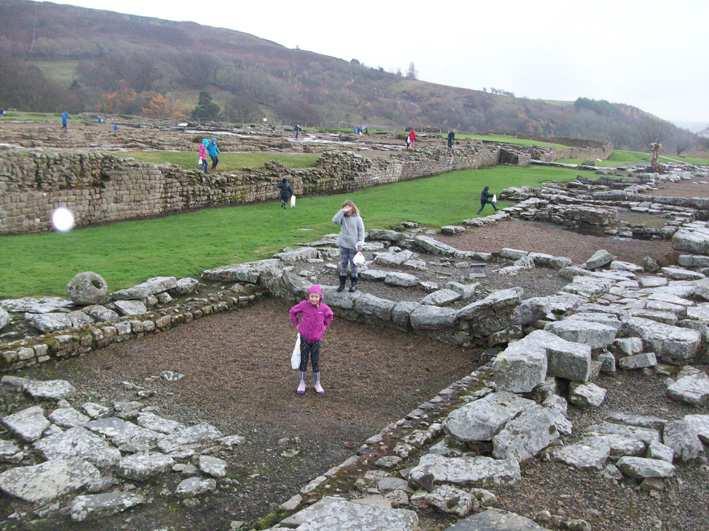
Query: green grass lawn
(227, 161)
(622, 157)
(508, 139)
(184, 244)
(36, 117)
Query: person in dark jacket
(286, 192)
(451, 141)
(486, 198)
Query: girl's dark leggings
(309, 349)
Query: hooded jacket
(203, 150)
(311, 321)
(212, 148)
(286, 189)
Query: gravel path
(697, 188)
(552, 239)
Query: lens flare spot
(63, 219)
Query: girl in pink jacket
(203, 155)
(311, 317)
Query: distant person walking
(451, 141)
(203, 155)
(412, 138)
(487, 197)
(65, 119)
(350, 240)
(297, 130)
(213, 151)
(286, 192)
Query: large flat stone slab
(331, 514)
(671, 343)
(47, 481)
(495, 520)
(78, 443)
(683, 438)
(521, 366)
(434, 469)
(641, 468)
(527, 434)
(196, 434)
(692, 389)
(142, 291)
(28, 424)
(35, 304)
(49, 389)
(248, 272)
(126, 435)
(595, 335)
(105, 504)
(583, 456)
(482, 419)
(144, 466)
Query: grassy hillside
(56, 56)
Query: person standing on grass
(451, 141)
(350, 240)
(213, 151)
(311, 317)
(65, 120)
(486, 197)
(286, 192)
(203, 156)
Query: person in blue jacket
(213, 151)
(65, 119)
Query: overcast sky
(651, 54)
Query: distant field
(507, 139)
(37, 117)
(63, 72)
(227, 161)
(184, 244)
(621, 157)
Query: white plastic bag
(292, 201)
(295, 357)
(494, 198)
(358, 259)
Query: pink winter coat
(312, 321)
(202, 152)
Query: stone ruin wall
(101, 188)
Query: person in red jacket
(311, 317)
(412, 138)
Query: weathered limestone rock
(671, 343)
(401, 313)
(607, 361)
(446, 499)
(641, 468)
(465, 471)
(657, 450)
(482, 419)
(297, 254)
(10, 452)
(373, 274)
(141, 291)
(4, 318)
(495, 520)
(47, 481)
(53, 322)
(143, 466)
(87, 288)
(629, 345)
(522, 365)
(28, 424)
(652, 282)
(620, 445)
(212, 466)
(700, 424)
(188, 436)
(441, 297)
(405, 280)
(336, 513)
(643, 434)
(153, 422)
(104, 504)
(607, 319)
(583, 456)
(679, 273)
(433, 246)
(191, 487)
(586, 395)
(693, 389)
(595, 335)
(369, 304)
(691, 239)
(527, 434)
(100, 313)
(683, 438)
(393, 259)
(126, 435)
(599, 259)
(619, 265)
(35, 304)
(641, 421)
(68, 417)
(95, 410)
(49, 389)
(548, 260)
(568, 360)
(78, 443)
(248, 272)
(426, 317)
(130, 307)
(638, 361)
(699, 312)
(536, 308)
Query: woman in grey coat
(350, 240)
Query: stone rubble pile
(60, 451)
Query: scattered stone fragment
(595, 335)
(646, 435)
(388, 461)
(629, 345)
(638, 361)
(49, 389)
(28, 424)
(464, 471)
(607, 360)
(13, 383)
(10, 452)
(195, 486)
(4, 318)
(106, 504)
(331, 513)
(669, 342)
(126, 435)
(128, 409)
(494, 520)
(231, 440)
(681, 436)
(47, 481)
(152, 286)
(586, 395)
(95, 410)
(527, 434)
(641, 421)
(599, 259)
(154, 422)
(620, 445)
(171, 376)
(189, 436)
(212, 466)
(583, 456)
(446, 499)
(130, 307)
(641, 468)
(144, 466)
(657, 450)
(700, 424)
(78, 443)
(692, 389)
